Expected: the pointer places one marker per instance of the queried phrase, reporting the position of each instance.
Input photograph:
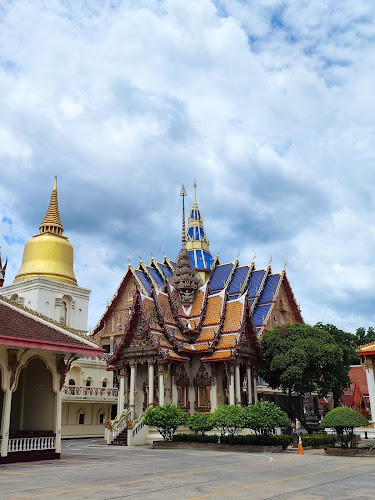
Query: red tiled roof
(18, 327)
(358, 376)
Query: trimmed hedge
(195, 438)
(252, 439)
(315, 440)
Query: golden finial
(164, 251)
(183, 194)
(139, 255)
(195, 192)
(255, 255)
(239, 253)
(270, 259)
(285, 264)
(51, 222)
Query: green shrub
(166, 419)
(263, 417)
(343, 420)
(195, 438)
(200, 423)
(228, 419)
(256, 440)
(315, 440)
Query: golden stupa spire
(51, 222)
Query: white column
(161, 386)
(231, 388)
(5, 422)
(150, 383)
(255, 387)
(58, 410)
(121, 395)
(249, 386)
(371, 387)
(174, 390)
(213, 395)
(132, 391)
(238, 385)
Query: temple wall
(91, 426)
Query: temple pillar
(249, 386)
(121, 395)
(369, 368)
(213, 390)
(255, 378)
(5, 421)
(132, 391)
(174, 390)
(161, 385)
(231, 384)
(150, 383)
(237, 384)
(58, 410)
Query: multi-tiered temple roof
(227, 315)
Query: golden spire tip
(55, 184)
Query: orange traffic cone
(300, 448)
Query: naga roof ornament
(2, 270)
(185, 278)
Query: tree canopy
(166, 419)
(263, 417)
(343, 420)
(302, 358)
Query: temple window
(72, 381)
(88, 382)
(101, 417)
(81, 417)
(183, 384)
(104, 383)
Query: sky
(268, 105)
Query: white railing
(138, 428)
(118, 426)
(31, 444)
(75, 390)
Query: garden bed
(350, 452)
(166, 445)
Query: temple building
(367, 354)
(187, 331)
(46, 285)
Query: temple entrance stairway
(121, 439)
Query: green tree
(362, 337)
(200, 423)
(166, 419)
(301, 358)
(343, 420)
(340, 377)
(228, 419)
(263, 417)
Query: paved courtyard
(88, 470)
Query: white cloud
(268, 105)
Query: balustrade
(31, 443)
(75, 390)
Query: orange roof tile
(177, 301)
(201, 347)
(166, 308)
(218, 355)
(213, 312)
(174, 355)
(207, 334)
(150, 313)
(164, 342)
(197, 304)
(233, 316)
(227, 341)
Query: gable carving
(202, 378)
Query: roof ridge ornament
(183, 193)
(2, 269)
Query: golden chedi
(48, 254)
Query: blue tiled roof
(258, 329)
(251, 302)
(234, 297)
(156, 276)
(260, 313)
(144, 279)
(167, 272)
(238, 278)
(269, 288)
(255, 280)
(174, 265)
(220, 276)
(195, 214)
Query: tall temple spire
(183, 194)
(2, 270)
(196, 241)
(51, 222)
(185, 278)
